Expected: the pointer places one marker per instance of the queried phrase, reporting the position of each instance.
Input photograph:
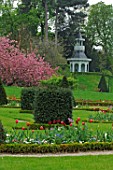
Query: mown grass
(13, 91)
(87, 81)
(91, 95)
(78, 93)
(83, 114)
(9, 115)
(104, 162)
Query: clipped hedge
(3, 97)
(53, 104)
(27, 98)
(62, 148)
(2, 133)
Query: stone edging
(60, 154)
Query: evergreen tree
(3, 97)
(103, 85)
(64, 82)
(71, 18)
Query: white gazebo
(79, 61)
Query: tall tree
(99, 29)
(70, 19)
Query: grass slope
(87, 88)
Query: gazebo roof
(78, 55)
(79, 36)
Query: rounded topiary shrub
(3, 97)
(53, 104)
(2, 133)
(27, 98)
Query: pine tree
(102, 86)
(3, 97)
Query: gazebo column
(85, 67)
(79, 67)
(72, 67)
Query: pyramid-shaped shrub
(64, 82)
(102, 86)
(3, 97)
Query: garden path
(61, 154)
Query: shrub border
(62, 148)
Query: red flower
(58, 121)
(54, 121)
(77, 121)
(28, 124)
(91, 120)
(70, 124)
(41, 128)
(63, 123)
(16, 121)
(23, 128)
(78, 118)
(83, 123)
(50, 122)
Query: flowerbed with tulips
(60, 133)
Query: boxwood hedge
(53, 104)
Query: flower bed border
(62, 148)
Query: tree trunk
(46, 21)
(56, 32)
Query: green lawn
(78, 93)
(100, 162)
(9, 115)
(83, 114)
(13, 91)
(91, 95)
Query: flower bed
(65, 134)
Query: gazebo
(79, 61)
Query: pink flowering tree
(18, 69)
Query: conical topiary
(2, 133)
(102, 86)
(64, 82)
(3, 97)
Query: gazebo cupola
(79, 61)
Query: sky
(91, 2)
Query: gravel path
(60, 154)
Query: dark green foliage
(3, 97)
(103, 85)
(64, 82)
(2, 133)
(27, 98)
(52, 104)
(63, 148)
